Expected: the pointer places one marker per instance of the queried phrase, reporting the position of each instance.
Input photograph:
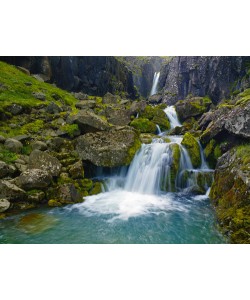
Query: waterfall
(172, 116)
(155, 83)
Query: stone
(118, 115)
(38, 145)
(192, 146)
(112, 148)
(6, 170)
(13, 145)
(76, 170)
(34, 179)
(67, 194)
(108, 98)
(88, 121)
(4, 205)
(36, 196)
(44, 161)
(15, 109)
(11, 192)
(81, 96)
(54, 203)
(53, 108)
(39, 96)
(143, 125)
(83, 104)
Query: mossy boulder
(212, 152)
(192, 146)
(54, 203)
(97, 189)
(192, 107)
(112, 148)
(143, 125)
(175, 164)
(11, 192)
(230, 194)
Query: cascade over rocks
(112, 148)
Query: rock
(56, 143)
(88, 121)
(34, 179)
(38, 145)
(53, 108)
(115, 147)
(97, 189)
(6, 170)
(143, 125)
(22, 138)
(86, 104)
(15, 109)
(110, 99)
(155, 99)
(54, 203)
(39, 96)
(138, 107)
(156, 115)
(230, 194)
(24, 70)
(36, 196)
(21, 167)
(13, 145)
(4, 205)
(118, 115)
(10, 191)
(2, 139)
(44, 161)
(76, 170)
(67, 194)
(192, 107)
(192, 146)
(81, 96)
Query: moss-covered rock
(230, 194)
(97, 189)
(212, 152)
(54, 203)
(175, 164)
(143, 125)
(192, 146)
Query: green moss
(176, 154)
(16, 91)
(97, 189)
(192, 146)
(86, 184)
(132, 151)
(71, 129)
(163, 123)
(7, 156)
(54, 203)
(244, 97)
(144, 125)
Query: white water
(172, 116)
(155, 84)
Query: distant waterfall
(155, 84)
(172, 116)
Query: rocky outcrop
(44, 161)
(94, 75)
(230, 194)
(213, 76)
(112, 148)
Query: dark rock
(2, 139)
(34, 179)
(44, 161)
(11, 192)
(15, 109)
(67, 193)
(4, 205)
(88, 121)
(86, 104)
(81, 96)
(6, 170)
(115, 147)
(38, 145)
(76, 170)
(39, 96)
(118, 116)
(13, 145)
(155, 99)
(53, 108)
(110, 99)
(36, 196)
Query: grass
(18, 88)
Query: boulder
(6, 170)
(4, 205)
(67, 194)
(76, 170)
(11, 192)
(13, 145)
(44, 161)
(88, 121)
(34, 179)
(115, 147)
(53, 108)
(192, 107)
(118, 115)
(110, 99)
(143, 125)
(192, 146)
(38, 145)
(230, 193)
(83, 104)
(36, 196)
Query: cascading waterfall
(155, 83)
(172, 116)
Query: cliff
(215, 76)
(94, 75)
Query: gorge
(111, 159)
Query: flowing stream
(158, 199)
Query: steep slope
(213, 76)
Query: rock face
(230, 194)
(94, 75)
(34, 179)
(203, 76)
(44, 161)
(112, 148)
(88, 121)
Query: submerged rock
(115, 147)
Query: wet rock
(44, 161)
(88, 121)
(4, 205)
(10, 191)
(115, 147)
(13, 145)
(34, 179)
